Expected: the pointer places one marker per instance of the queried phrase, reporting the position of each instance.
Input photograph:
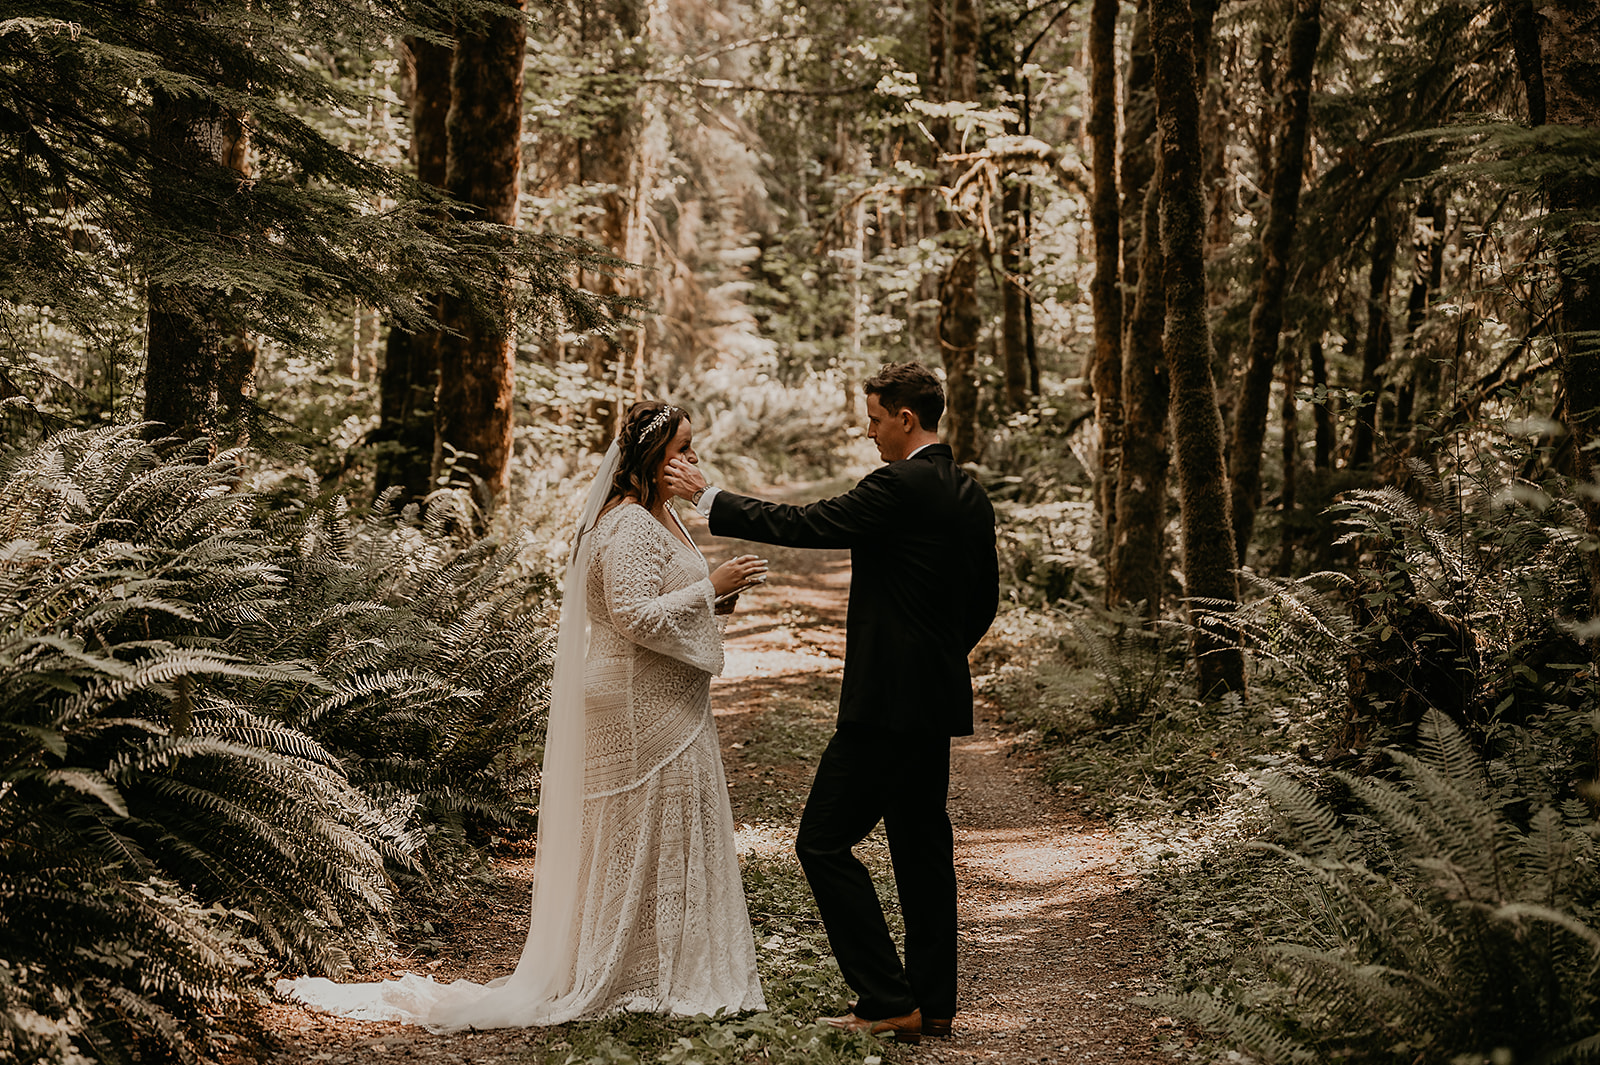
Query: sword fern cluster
(221, 730)
(1447, 925)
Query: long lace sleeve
(678, 623)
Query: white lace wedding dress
(657, 919)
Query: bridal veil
(539, 992)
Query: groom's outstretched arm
(868, 510)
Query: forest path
(1053, 942)
(1053, 939)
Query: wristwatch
(694, 500)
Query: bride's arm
(680, 623)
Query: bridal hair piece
(647, 430)
(540, 991)
(662, 416)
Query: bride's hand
(736, 573)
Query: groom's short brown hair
(908, 386)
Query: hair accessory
(657, 422)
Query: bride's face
(682, 446)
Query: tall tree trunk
(410, 377)
(200, 362)
(1208, 555)
(1530, 63)
(1138, 152)
(1569, 39)
(608, 157)
(1277, 240)
(1135, 553)
(1289, 417)
(1136, 565)
(1105, 375)
(1375, 349)
(959, 320)
(1321, 411)
(1427, 271)
(473, 419)
(1013, 315)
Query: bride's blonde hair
(647, 429)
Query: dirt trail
(1052, 941)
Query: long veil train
(541, 990)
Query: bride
(637, 902)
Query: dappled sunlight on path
(1053, 944)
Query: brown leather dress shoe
(906, 1029)
(936, 1027)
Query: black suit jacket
(924, 589)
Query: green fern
(1475, 931)
(222, 732)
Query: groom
(924, 590)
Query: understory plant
(1442, 921)
(1444, 838)
(211, 758)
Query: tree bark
(1013, 315)
(1322, 411)
(1375, 349)
(1277, 240)
(410, 377)
(1289, 417)
(959, 320)
(1569, 40)
(1136, 565)
(1106, 372)
(1427, 272)
(200, 362)
(1138, 152)
(1208, 555)
(608, 158)
(1135, 552)
(473, 419)
(1530, 63)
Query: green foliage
(1441, 928)
(1462, 601)
(268, 223)
(1101, 698)
(211, 749)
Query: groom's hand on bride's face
(684, 479)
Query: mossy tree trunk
(1208, 555)
(959, 320)
(1277, 241)
(473, 419)
(1138, 151)
(1105, 375)
(1136, 562)
(200, 361)
(1135, 552)
(410, 378)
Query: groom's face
(890, 431)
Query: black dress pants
(866, 776)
